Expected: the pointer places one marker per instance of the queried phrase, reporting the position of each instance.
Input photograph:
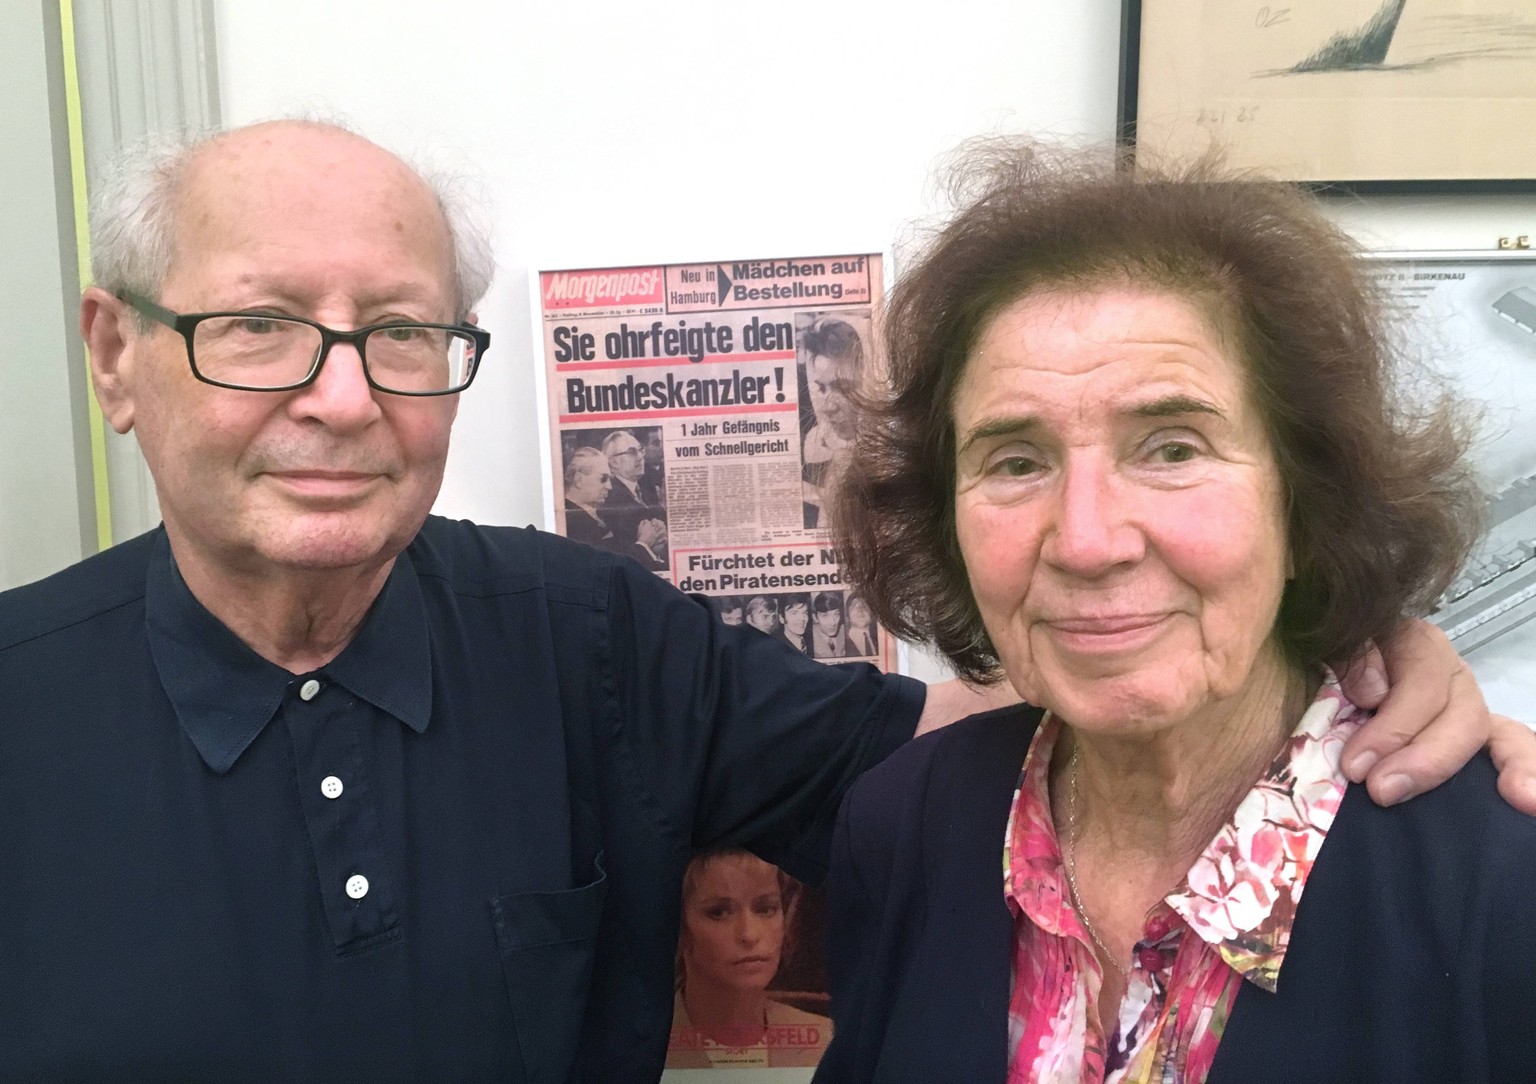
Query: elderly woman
(737, 912)
(1143, 458)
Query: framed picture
(1470, 317)
(1374, 95)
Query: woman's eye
(767, 910)
(717, 913)
(1014, 466)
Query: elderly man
(586, 484)
(308, 785)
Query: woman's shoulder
(972, 761)
(988, 736)
(1446, 846)
(1464, 807)
(1418, 924)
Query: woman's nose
(1091, 532)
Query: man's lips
(325, 482)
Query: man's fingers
(1398, 761)
(1365, 680)
(1433, 721)
(1435, 755)
(1513, 749)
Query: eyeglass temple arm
(149, 308)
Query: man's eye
(404, 334)
(1176, 451)
(256, 325)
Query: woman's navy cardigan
(1413, 955)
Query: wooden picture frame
(1366, 95)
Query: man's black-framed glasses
(253, 351)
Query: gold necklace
(1077, 900)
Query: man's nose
(340, 396)
(1090, 531)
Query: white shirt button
(357, 886)
(308, 690)
(331, 787)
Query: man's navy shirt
(454, 852)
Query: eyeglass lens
(271, 352)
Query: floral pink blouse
(1230, 921)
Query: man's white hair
(133, 216)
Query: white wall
(609, 131)
(47, 501)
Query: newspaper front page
(699, 413)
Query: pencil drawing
(1363, 47)
(1428, 40)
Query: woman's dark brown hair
(1381, 505)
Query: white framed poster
(1471, 316)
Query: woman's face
(733, 923)
(831, 382)
(1118, 507)
(796, 617)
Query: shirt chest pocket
(548, 941)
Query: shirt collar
(1240, 896)
(224, 693)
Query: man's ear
(105, 326)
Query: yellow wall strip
(83, 248)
